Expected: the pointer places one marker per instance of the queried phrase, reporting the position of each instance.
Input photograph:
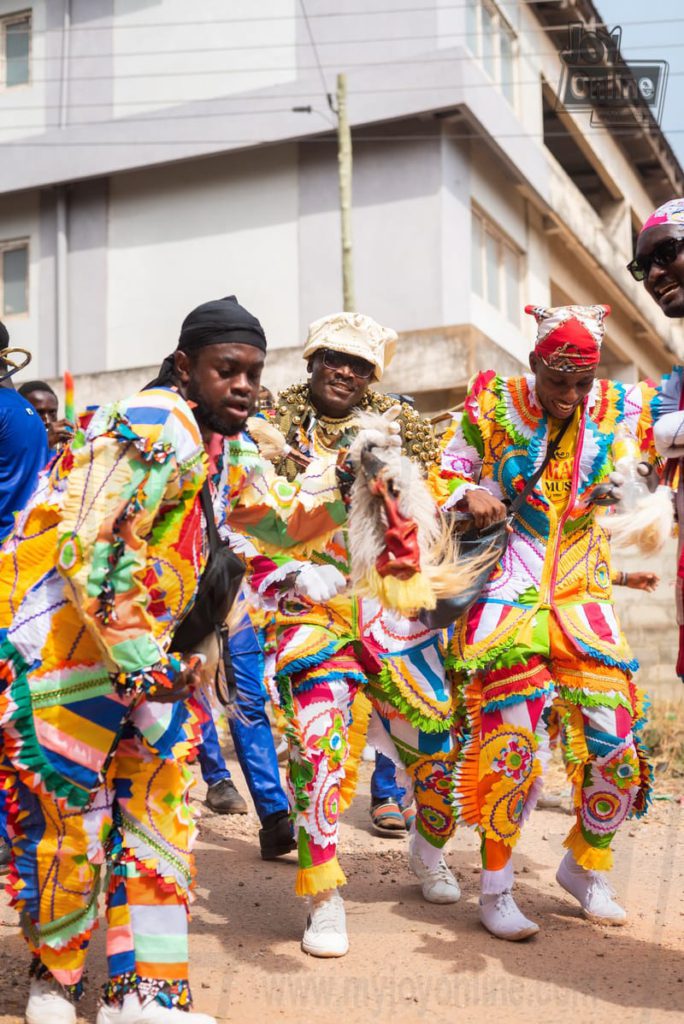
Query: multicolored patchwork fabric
(104, 562)
(600, 713)
(424, 763)
(323, 762)
(553, 559)
(139, 825)
(355, 644)
(413, 682)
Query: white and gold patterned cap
(356, 335)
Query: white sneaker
(439, 885)
(132, 1012)
(501, 916)
(326, 927)
(591, 890)
(47, 1004)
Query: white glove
(319, 582)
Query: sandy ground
(411, 961)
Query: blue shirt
(23, 453)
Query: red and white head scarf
(569, 338)
(671, 212)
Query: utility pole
(344, 160)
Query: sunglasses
(359, 367)
(663, 255)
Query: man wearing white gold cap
(331, 644)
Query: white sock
(572, 865)
(492, 883)
(429, 854)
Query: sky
(655, 31)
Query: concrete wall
(164, 57)
(192, 232)
(19, 219)
(649, 619)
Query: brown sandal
(387, 818)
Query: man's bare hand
(60, 432)
(182, 686)
(643, 580)
(483, 507)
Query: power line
(160, 116)
(330, 139)
(326, 91)
(321, 15)
(253, 70)
(269, 97)
(294, 44)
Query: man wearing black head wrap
(116, 574)
(215, 340)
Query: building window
(15, 30)
(496, 268)
(14, 263)
(492, 40)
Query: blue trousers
(383, 783)
(250, 728)
(211, 760)
(252, 736)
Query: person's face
(223, 382)
(336, 389)
(266, 401)
(665, 284)
(45, 404)
(560, 393)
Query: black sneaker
(276, 838)
(5, 856)
(223, 798)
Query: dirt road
(410, 961)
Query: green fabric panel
(472, 435)
(520, 654)
(161, 949)
(136, 653)
(303, 853)
(82, 684)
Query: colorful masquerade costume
(103, 564)
(544, 629)
(327, 652)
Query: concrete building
(158, 153)
(152, 157)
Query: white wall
(192, 232)
(177, 51)
(505, 208)
(396, 231)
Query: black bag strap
(521, 498)
(215, 541)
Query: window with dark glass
(14, 261)
(16, 43)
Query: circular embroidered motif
(69, 553)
